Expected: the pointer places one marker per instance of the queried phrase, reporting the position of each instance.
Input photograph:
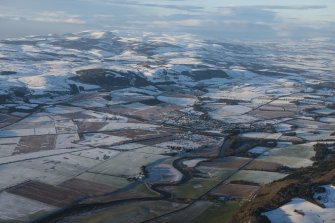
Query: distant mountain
(89, 60)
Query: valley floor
(190, 143)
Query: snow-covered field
(300, 210)
(124, 113)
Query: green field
(218, 213)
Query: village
(152, 149)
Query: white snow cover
(45, 66)
(261, 135)
(193, 162)
(177, 100)
(327, 198)
(120, 126)
(17, 207)
(259, 149)
(229, 110)
(100, 139)
(300, 210)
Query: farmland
(154, 137)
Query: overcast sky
(218, 19)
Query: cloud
(185, 23)
(130, 3)
(46, 16)
(227, 11)
(58, 16)
(261, 12)
(291, 7)
(273, 7)
(171, 16)
(103, 16)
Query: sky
(253, 20)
